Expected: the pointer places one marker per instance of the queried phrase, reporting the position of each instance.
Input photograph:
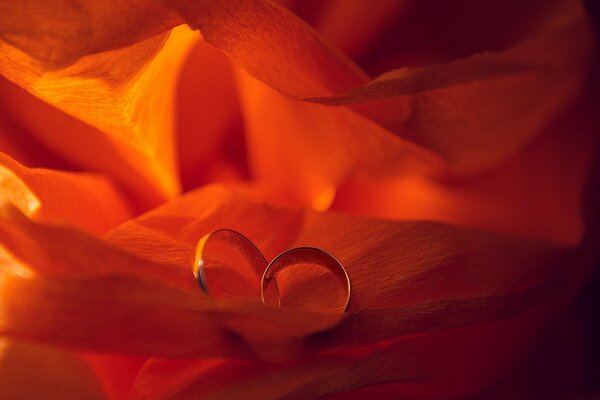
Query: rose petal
(414, 33)
(77, 271)
(252, 31)
(306, 151)
(62, 251)
(88, 201)
(210, 137)
(531, 195)
(413, 250)
(495, 101)
(131, 316)
(164, 378)
(115, 372)
(126, 95)
(53, 35)
(21, 146)
(354, 26)
(498, 94)
(151, 295)
(454, 363)
(34, 372)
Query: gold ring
(236, 241)
(304, 255)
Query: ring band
(236, 241)
(304, 255)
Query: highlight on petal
(16, 192)
(124, 96)
(29, 371)
(86, 200)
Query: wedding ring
(234, 240)
(304, 255)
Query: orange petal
(77, 271)
(88, 201)
(415, 250)
(35, 372)
(126, 97)
(160, 379)
(154, 301)
(62, 251)
(132, 316)
(115, 372)
(52, 35)
(415, 253)
(254, 31)
(306, 151)
(419, 288)
(210, 138)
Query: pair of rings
(269, 271)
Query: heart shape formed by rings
(266, 272)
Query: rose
(423, 319)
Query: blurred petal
(163, 379)
(52, 35)
(492, 101)
(399, 33)
(125, 95)
(115, 372)
(88, 201)
(21, 146)
(533, 194)
(450, 364)
(35, 372)
(354, 26)
(210, 137)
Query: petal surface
(417, 286)
(86, 200)
(493, 89)
(122, 101)
(32, 372)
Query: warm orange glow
(436, 159)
